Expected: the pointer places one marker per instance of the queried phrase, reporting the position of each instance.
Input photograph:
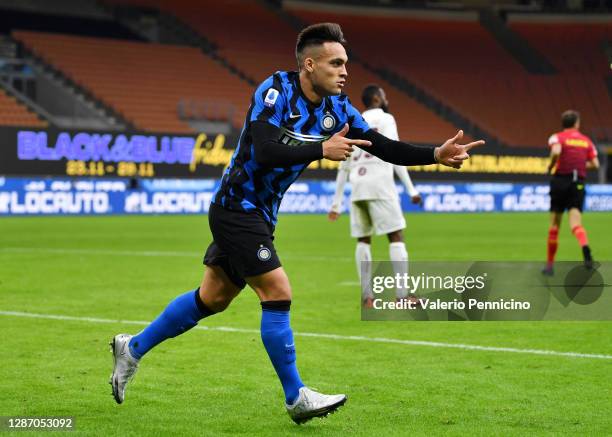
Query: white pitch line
(152, 253)
(64, 251)
(327, 336)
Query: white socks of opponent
(363, 257)
(399, 258)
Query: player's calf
(277, 337)
(551, 249)
(182, 314)
(581, 235)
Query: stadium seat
(143, 82)
(259, 42)
(577, 51)
(13, 113)
(461, 64)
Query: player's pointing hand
(452, 154)
(339, 148)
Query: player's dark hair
(569, 118)
(368, 93)
(317, 34)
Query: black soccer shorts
(566, 193)
(242, 244)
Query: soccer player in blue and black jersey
(294, 118)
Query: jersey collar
(309, 103)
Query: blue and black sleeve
(268, 106)
(395, 152)
(270, 153)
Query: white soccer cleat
(125, 365)
(311, 404)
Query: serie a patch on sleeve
(271, 97)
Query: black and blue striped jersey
(249, 186)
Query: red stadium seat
(576, 50)
(143, 82)
(13, 113)
(463, 65)
(259, 42)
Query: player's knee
(273, 285)
(274, 292)
(217, 300)
(575, 217)
(396, 236)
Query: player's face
(329, 73)
(384, 103)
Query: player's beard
(385, 108)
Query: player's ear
(309, 65)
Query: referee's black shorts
(566, 192)
(242, 244)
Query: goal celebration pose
(294, 118)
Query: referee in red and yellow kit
(571, 155)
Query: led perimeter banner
(43, 196)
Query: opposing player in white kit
(375, 205)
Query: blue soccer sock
(182, 314)
(277, 338)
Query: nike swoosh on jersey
(295, 115)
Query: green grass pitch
(214, 382)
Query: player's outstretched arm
(451, 153)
